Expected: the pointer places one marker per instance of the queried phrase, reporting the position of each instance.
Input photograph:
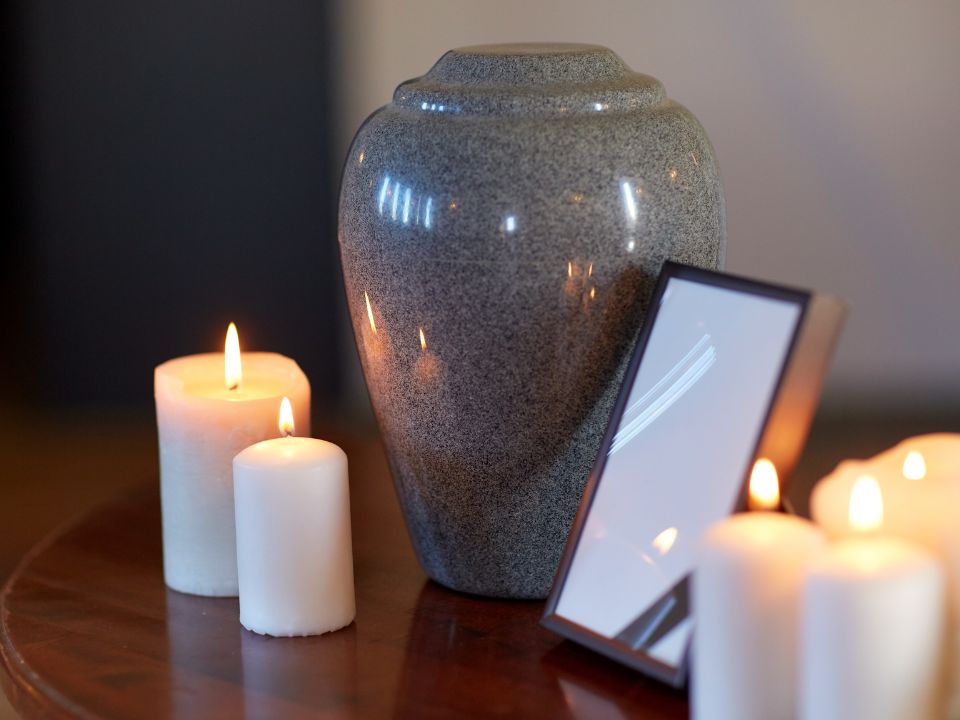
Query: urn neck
(535, 79)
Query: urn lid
(529, 78)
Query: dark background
(169, 168)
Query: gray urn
(501, 226)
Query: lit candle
(746, 591)
(920, 482)
(873, 623)
(294, 551)
(209, 407)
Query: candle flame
(764, 486)
(914, 466)
(423, 341)
(373, 325)
(593, 293)
(232, 367)
(866, 504)
(665, 540)
(590, 270)
(285, 421)
(569, 269)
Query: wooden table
(88, 629)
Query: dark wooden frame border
(830, 314)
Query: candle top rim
(290, 453)
(830, 497)
(759, 531)
(218, 358)
(267, 376)
(889, 462)
(873, 556)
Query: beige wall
(837, 125)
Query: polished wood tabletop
(88, 629)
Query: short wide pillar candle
(746, 603)
(873, 633)
(203, 424)
(294, 550)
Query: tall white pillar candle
(204, 420)
(746, 591)
(294, 550)
(873, 633)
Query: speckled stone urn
(502, 223)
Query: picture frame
(762, 348)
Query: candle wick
(233, 387)
(286, 433)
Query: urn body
(501, 225)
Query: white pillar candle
(920, 483)
(746, 590)
(294, 551)
(207, 411)
(873, 626)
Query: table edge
(27, 692)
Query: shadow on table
(6, 712)
(316, 674)
(211, 656)
(467, 656)
(592, 687)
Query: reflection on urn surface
(498, 249)
(427, 368)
